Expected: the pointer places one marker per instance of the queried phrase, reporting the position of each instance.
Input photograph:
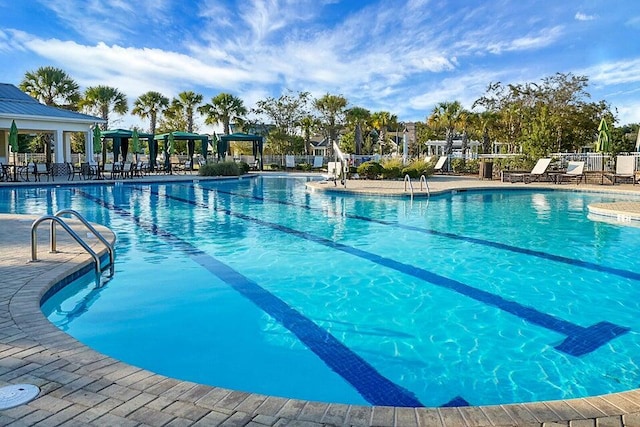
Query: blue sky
(402, 56)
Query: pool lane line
(578, 342)
(503, 246)
(372, 386)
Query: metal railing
(423, 179)
(407, 181)
(91, 228)
(56, 219)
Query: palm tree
(308, 124)
(357, 116)
(331, 109)
(487, 121)
(149, 105)
(223, 109)
(187, 102)
(52, 86)
(465, 120)
(446, 115)
(103, 100)
(381, 121)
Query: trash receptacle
(486, 170)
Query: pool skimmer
(17, 394)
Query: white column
(59, 144)
(88, 146)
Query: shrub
(243, 167)
(305, 166)
(418, 168)
(273, 166)
(221, 169)
(392, 169)
(370, 170)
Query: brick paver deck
(80, 386)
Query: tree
(185, 104)
(446, 115)
(103, 100)
(52, 86)
(357, 117)
(308, 124)
(332, 113)
(465, 120)
(381, 121)
(541, 117)
(150, 105)
(286, 113)
(223, 109)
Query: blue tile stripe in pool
(374, 387)
(633, 275)
(578, 342)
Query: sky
(401, 56)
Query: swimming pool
(473, 298)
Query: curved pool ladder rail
(423, 178)
(58, 220)
(90, 227)
(407, 180)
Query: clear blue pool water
(259, 285)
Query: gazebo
(31, 117)
(121, 139)
(258, 144)
(189, 137)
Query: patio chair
(73, 170)
(112, 169)
(538, 171)
(440, 164)
(625, 168)
(575, 171)
(40, 169)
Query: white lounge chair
(440, 164)
(575, 171)
(625, 168)
(538, 171)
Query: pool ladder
(423, 179)
(57, 219)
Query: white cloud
(584, 17)
(613, 73)
(107, 20)
(543, 38)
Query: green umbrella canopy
(13, 137)
(135, 141)
(604, 138)
(97, 139)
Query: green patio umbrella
(135, 142)
(603, 145)
(13, 140)
(97, 140)
(604, 138)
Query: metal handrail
(34, 240)
(424, 179)
(91, 229)
(407, 179)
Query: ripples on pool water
(259, 285)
